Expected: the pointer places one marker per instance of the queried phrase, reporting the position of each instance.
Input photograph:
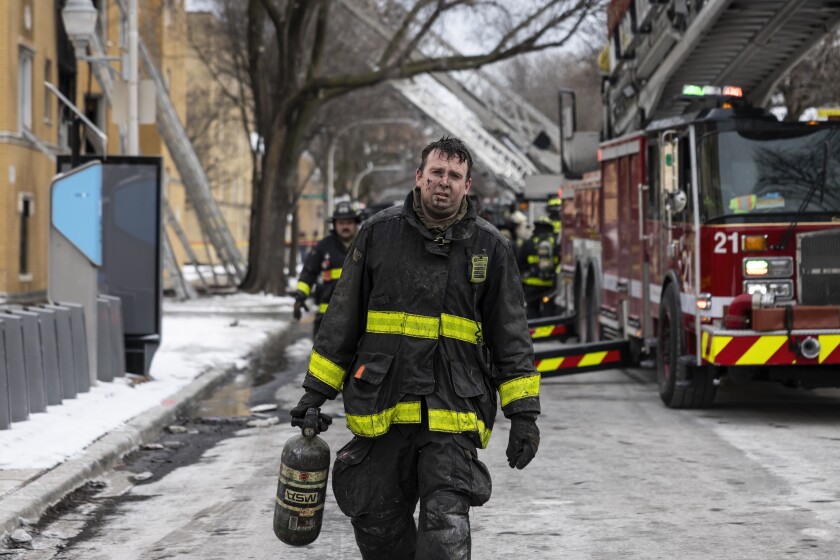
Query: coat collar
(462, 229)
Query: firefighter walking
(429, 293)
(326, 260)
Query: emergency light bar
(712, 91)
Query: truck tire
(700, 391)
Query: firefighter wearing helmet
(538, 261)
(326, 260)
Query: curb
(33, 499)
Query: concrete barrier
(117, 333)
(15, 367)
(64, 345)
(33, 362)
(5, 403)
(105, 367)
(80, 345)
(49, 354)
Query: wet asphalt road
(618, 476)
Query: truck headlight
(782, 289)
(770, 267)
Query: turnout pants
(379, 481)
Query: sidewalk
(53, 453)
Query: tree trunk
(294, 246)
(269, 207)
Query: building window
(25, 89)
(48, 97)
(26, 209)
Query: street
(618, 475)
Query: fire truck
(707, 241)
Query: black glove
(524, 439)
(300, 301)
(311, 399)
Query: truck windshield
(754, 173)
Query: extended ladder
(499, 125)
(186, 161)
(658, 47)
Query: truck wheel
(700, 391)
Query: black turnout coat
(416, 317)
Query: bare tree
(811, 82)
(292, 56)
(576, 71)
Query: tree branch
(421, 33)
(393, 45)
(319, 42)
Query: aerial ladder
(511, 137)
(189, 167)
(655, 48)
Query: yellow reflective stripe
(718, 344)
(592, 359)
(372, 425)
(303, 287)
(441, 420)
(519, 388)
(533, 259)
(550, 364)
(452, 326)
(828, 343)
(761, 350)
(322, 308)
(332, 274)
(330, 373)
(397, 322)
(538, 281)
(542, 332)
(422, 326)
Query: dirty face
(443, 184)
(346, 229)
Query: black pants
(378, 483)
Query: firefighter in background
(538, 261)
(326, 258)
(554, 211)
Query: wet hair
(448, 146)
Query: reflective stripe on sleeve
(372, 425)
(332, 274)
(303, 287)
(538, 281)
(322, 308)
(519, 388)
(324, 370)
(452, 326)
(441, 420)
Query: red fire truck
(710, 244)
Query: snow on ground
(197, 335)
